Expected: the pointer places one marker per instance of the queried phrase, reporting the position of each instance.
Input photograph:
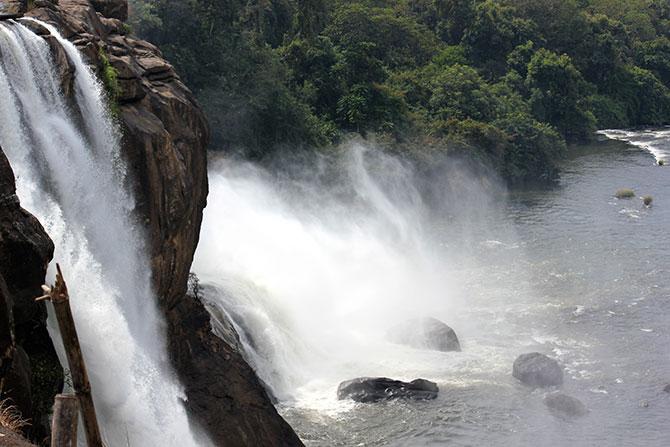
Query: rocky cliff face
(30, 374)
(165, 138)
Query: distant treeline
(507, 81)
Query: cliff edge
(165, 135)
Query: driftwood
(65, 420)
(60, 299)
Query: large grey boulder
(565, 405)
(425, 333)
(537, 370)
(369, 389)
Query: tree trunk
(65, 420)
(59, 297)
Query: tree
(459, 92)
(533, 152)
(559, 95)
(455, 16)
(654, 55)
(494, 33)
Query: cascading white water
(315, 268)
(72, 178)
(653, 140)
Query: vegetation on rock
(511, 81)
(110, 80)
(625, 193)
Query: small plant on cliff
(110, 80)
(647, 200)
(194, 287)
(10, 418)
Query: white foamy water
(316, 270)
(316, 259)
(70, 175)
(656, 141)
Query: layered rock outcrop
(165, 135)
(30, 374)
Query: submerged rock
(564, 404)
(425, 333)
(537, 370)
(368, 389)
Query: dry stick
(64, 422)
(61, 302)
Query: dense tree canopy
(506, 81)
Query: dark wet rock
(425, 333)
(368, 389)
(30, 373)
(114, 9)
(565, 405)
(231, 402)
(537, 370)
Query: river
(570, 271)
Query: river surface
(571, 272)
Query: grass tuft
(625, 193)
(10, 417)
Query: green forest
(508, 82)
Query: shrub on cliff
(559, 95)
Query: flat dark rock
(425, 333)
(537, 370)
(565, 405)
(375, 389)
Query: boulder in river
(425, 333)
(375, 389)
(565, 405)
(537, 370)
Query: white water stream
(71, 176)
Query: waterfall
(71, 176)
(316, 264)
